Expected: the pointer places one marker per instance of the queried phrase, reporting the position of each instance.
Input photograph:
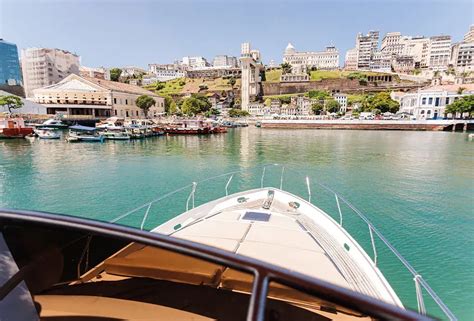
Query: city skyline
(98, 37)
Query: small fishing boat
(258, 124)
(14, 127)
(189, 127)
(78, 133)
(47, 133)
(53, 123)
(116, 135)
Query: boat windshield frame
(263, 272)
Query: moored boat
(47, 133)
(189, 127)
(112, 123)
(78, 133)
(53, 123)
(116, 135)
(14, 127)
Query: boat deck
(273, 229)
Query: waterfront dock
(424, 125)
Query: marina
(368, 168)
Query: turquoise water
(416, 187)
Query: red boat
(219, 129)
(189, 127)
(14, 127)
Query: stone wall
(341, 85)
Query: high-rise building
(43, 66)
(469, 37)
(439, 52)
(462, 56)
(10, 74)
(327, 59)
(225, 61)
(350, 62)
(392, 43)
(366, 46)
(418, 48)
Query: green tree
(286, 68)
(268, 102)
(381, 101)
(332, 106)
(196, 104)
(317, 108)
(462, 105)
(319, 94)
(232, 81)
(170, 105)
(238, 113)
(159, 85)
(145, 102)
(11, 102)
(213, 112)
(115, 74)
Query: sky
(138, 32)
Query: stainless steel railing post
(227, 185)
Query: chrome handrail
(420, 283)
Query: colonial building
(328, 59)
(342, 100)
(431, 102)
(165, 72)
(43, 67)
(94, 97)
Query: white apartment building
(194, 62)
(165, 72)
(380, 61)
(328, 59)
(439, 52)
(462, 56)
(430, 102)
(418, 48)
(366, 46)
(342, 100)
(350, 62)
(225, 61)
(392, 43)
(43, 66)
(469, 36)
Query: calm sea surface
(416, 187)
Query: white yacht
(259, 254)
(47, 133)
(53, 123)
(112, 123)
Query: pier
(424, 125)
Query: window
(422, 112)
(126, 101)
(430, 100)
(423, 101)
(447, 101)
(437, 101)
(428, 112)
(115, 100)
(115, 112)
